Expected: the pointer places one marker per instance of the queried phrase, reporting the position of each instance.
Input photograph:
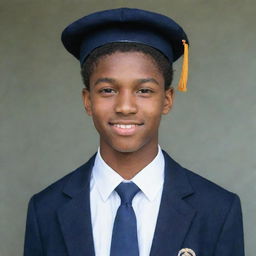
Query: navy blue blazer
(194, 213)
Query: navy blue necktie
(124, 236)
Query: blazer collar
(75, 216)
(176, 180)
(79, 179)
(175, 215)
(174, 218)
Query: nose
(126, 103)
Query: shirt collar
(150, 179)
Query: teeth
(125, 126)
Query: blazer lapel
(175, 215)
(174, 218)
(75, 216)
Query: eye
(145, 91)
(107, 91)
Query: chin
(127, 147)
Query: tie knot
(127, 191)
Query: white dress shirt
(105, 201)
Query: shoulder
(67, 186)
(211, 199)
(206, 187)
(200, 193)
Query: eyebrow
(146, 80)
(105, 80)
(113, 81)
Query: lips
(125, 126)
(125, 129)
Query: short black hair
(162, 63)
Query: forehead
(124, 58)
(125, 61)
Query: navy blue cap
(124, 25)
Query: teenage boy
(131, 198)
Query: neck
(129, 164)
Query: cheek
(101, 111)
(99, 122)
(100, 106)
(98, 114)
(154, 108)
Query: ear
(87, 101)
(168, 100)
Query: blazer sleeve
(231, 239)
(33, 245)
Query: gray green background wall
(45, 133)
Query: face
(126, 101)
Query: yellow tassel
(182, 86)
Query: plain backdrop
(45, 133)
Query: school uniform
(194, 213)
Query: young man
(131, 198)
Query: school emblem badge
(186, 252)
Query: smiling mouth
(125, 129)
(125, 126)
